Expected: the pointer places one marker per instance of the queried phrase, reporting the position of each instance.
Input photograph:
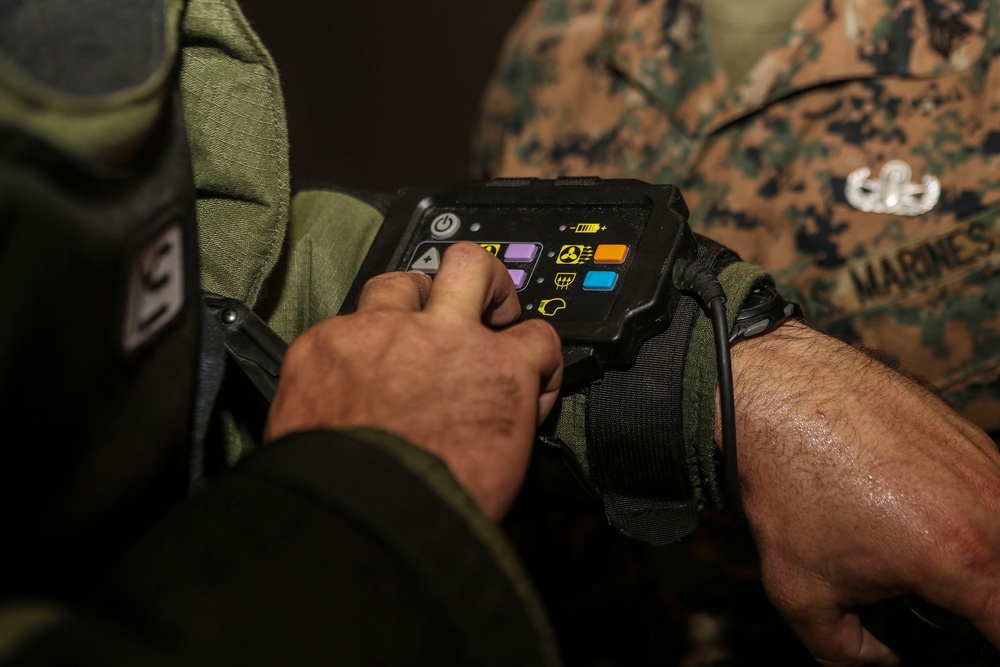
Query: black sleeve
(320, 549)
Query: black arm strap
(635, 430)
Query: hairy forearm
(814, 406)
(791, 393)
(859, 484)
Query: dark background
(383, 93)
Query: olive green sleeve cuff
(701, 379)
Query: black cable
(727, 409)
(697, 279)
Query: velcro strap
(635, 431)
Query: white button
(445, 226)
(428, 261)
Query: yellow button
(610, 254)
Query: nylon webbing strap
(635, 431)
(211, 370)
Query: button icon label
(574, 254)
(550, 307)
(428, 262)
(492, 248)
(564, 280)
(445, 225)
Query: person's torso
(857, 161)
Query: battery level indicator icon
(588, 227)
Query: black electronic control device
(593, 257)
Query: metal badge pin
(892, 192)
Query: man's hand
(423, 360)
(860, 485)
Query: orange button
(610, 254)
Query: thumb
(838, 639)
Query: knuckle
(542, 330)
(791, 595)
(302, 349)
(973, 551)
(466, 248)
(397, 284)
(421, 278)
(422, 282)
(469, 252)
(384, 279)
(371, 324)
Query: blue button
(600, 280)
(518, 276)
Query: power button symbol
(445, 226)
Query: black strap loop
(635, 430)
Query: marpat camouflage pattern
(858, 161)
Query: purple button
(518, 276)
(520, 252)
